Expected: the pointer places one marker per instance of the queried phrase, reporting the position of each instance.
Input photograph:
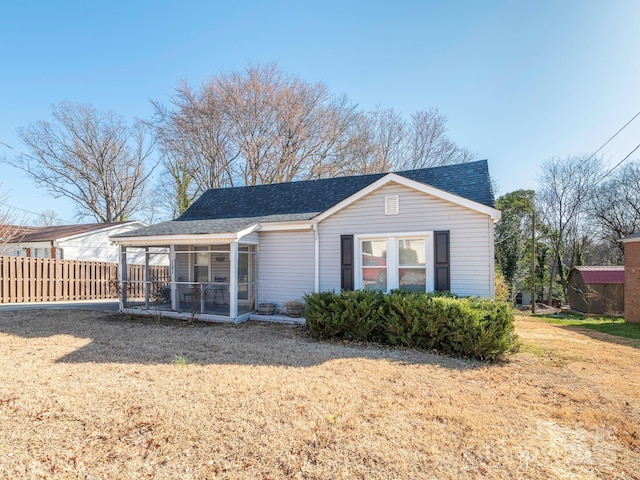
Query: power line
(29, 211)
(614, 136)
(610, 171)
(19, 152)
(14, 149)
(19, 208)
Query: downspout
(492, 260)
(316, 280)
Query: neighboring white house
(70, 242)
(425, 230)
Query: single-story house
(234, 248)
(596, 289)
(89, 241)
(632, 277)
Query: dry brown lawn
(90, 395)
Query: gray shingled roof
(232, 209)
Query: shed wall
(597, 298)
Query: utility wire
(610, 171)
(18, 208)
(35, 213)
(614, 136)
(15, 149)
(18, 151)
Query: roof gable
(311, 197)
(424, 188)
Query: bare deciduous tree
(381, 140)
(428, 144)
(10, 221)
(91, 157)
(374, 143)
(258, 126)
(616, 206)
(48, 218)
(263, 126)
(567, 186)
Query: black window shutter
(442, 261)
(346, 262)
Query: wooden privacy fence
(24, 279)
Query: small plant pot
(267, 308)
(295, 311)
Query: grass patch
(180, 360)
(611, 325)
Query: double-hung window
(412, 264)
(374, 264)
(395, 261)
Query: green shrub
(353, 315)
(474, 328)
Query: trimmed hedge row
(466, 327)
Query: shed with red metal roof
(597, 289)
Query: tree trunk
(551, 277)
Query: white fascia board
(247, 231)
(494, 214)
(226, 237)
(41, 244)
(98, 230)
(285, 226)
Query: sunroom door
(247, 276)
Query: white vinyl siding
(285, 266)
(470, 235)
(96, 245)
(93, 246)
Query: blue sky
(520, 81)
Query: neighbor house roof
(9, 232)
(597, 274)
(49, 234)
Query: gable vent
(392, 205)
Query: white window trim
(393, 280)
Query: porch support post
(172, 272)
(122, 275)
(233, 281)
(146, 278)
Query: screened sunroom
(212, 281)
